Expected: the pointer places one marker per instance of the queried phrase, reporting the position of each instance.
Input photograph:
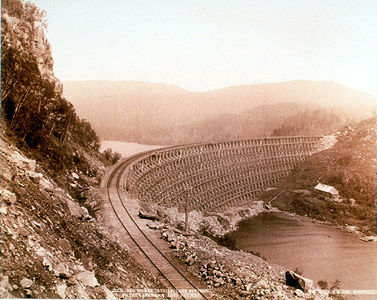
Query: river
(321, 252)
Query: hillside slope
(51, 244)
(349, 166)
(163, 114)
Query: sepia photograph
(188, 149)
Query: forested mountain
(156, 113)
(309, 122)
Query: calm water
(127, 149)
(321, 252)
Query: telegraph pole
(186, 209)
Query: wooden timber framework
(216, 176)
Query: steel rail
(164, 261)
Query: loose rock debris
(50, 251)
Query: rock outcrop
(298, 281)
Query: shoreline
(346, 228)
(196, 251)
(222, 223)
(227, 273)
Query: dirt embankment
(50, 245)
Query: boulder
(24, 162)
(47, 264)
(65, 246)
(3, 210)
(94, 205)
(24, 232)
(164, 235)
(170, 238)
(299, 293)
(31, 164)
(75, 175)
(190, 260)
(26, 283)
(297, 281)
(62, 271)
(35, 177)
(249, 287)
(369, 238)
(36, 224)
(60, 289)
(85, 212)
(76, 210)
(87, 278)
(41, 252)
(261, 284)
(4, 294)
(108, 294)
(8, 174)
(46, 185)
(155, 226)
(145, 215)
(81, 292)
(4, 283)
(218, 279)
(152, 226)
(8, 197)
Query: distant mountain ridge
(157, 113)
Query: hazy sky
(209, 44)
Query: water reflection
(321, 252)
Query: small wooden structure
(329, 191)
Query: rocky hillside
(34, 113)
(51, 244)
(349, 166)
(51, 247)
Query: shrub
(323, 284)
(111, 157)
(298, 270)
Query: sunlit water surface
(127, 149)
(321, 252)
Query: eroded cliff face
(26, 33)
(34, 112)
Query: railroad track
(183, 287)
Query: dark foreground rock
(297, 281)
(145, 215)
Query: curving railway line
(182, 287)
(226, 184)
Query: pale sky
(210, 44)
